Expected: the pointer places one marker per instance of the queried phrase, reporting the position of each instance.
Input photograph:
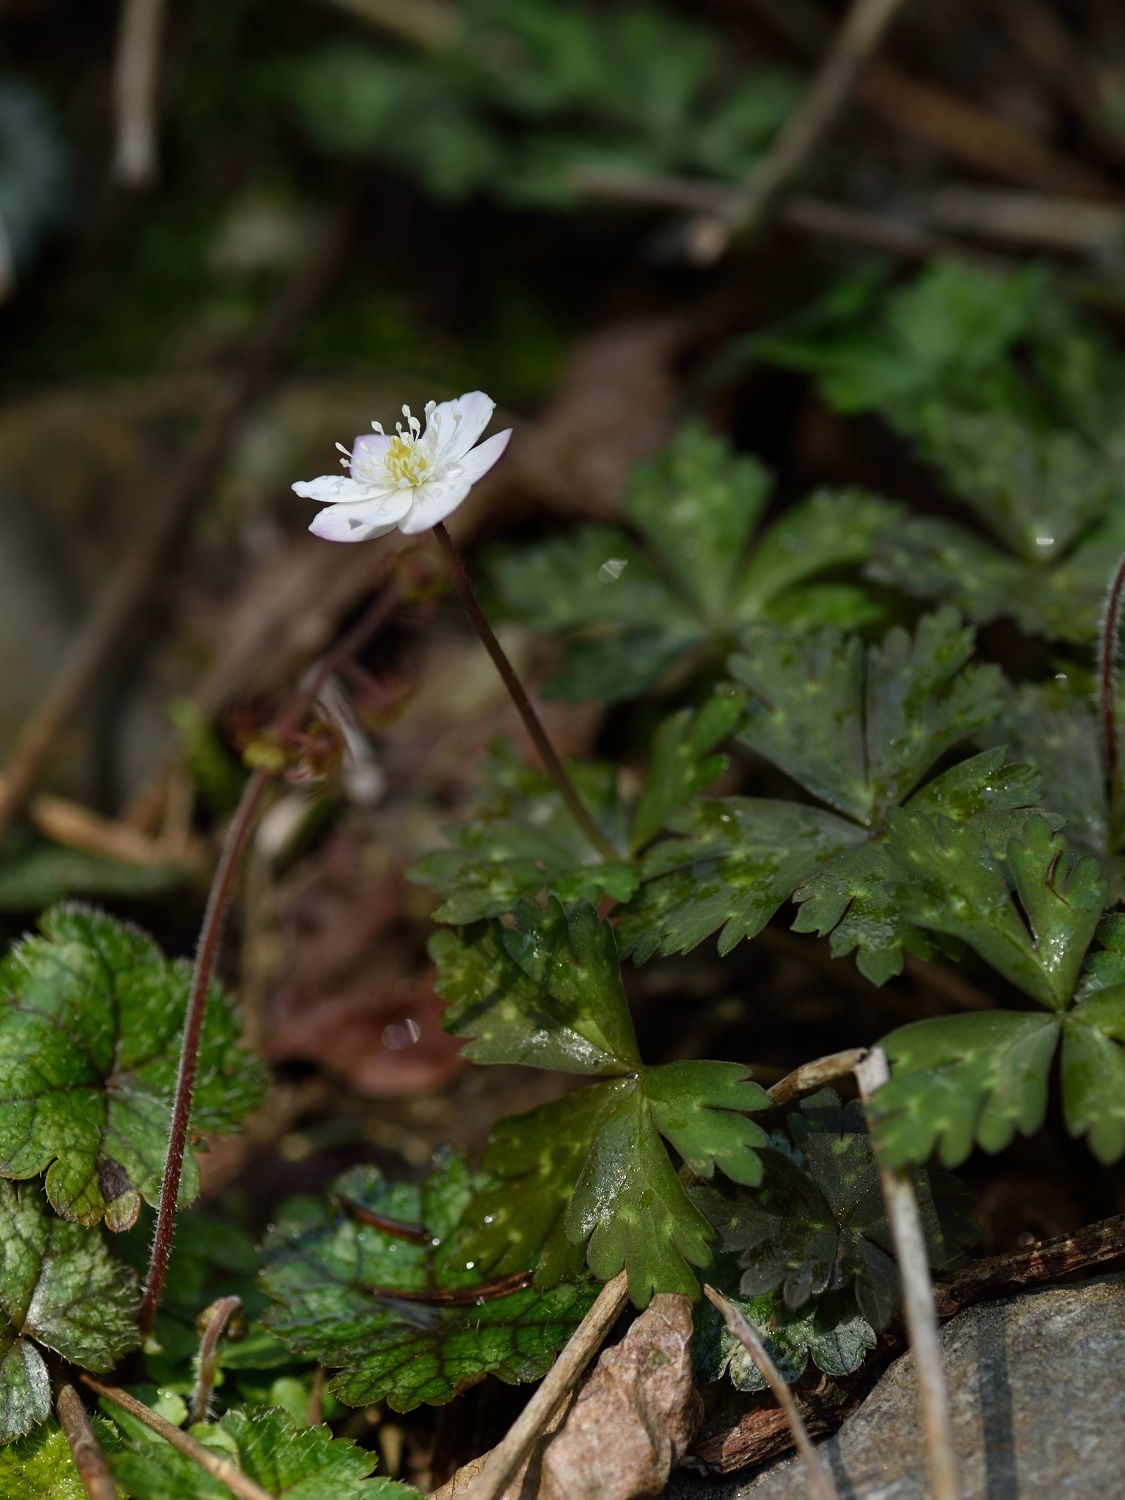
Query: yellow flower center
(404, 463)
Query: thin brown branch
(1003, 1275)
(518, 694)
(564, 1374)
(219, 1468)
(821, 1485)
(135, 583)
(428, 24)
(135, 76)
(853, 47)
(85, 1449)
(918, 1300)
(814, 1075)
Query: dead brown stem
(85, 1449)
(917, 1300)
(222, 1469)
(564, 1374)
(134, 91)
(821, 1484)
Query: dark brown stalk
(532, 723)
(222, 1469)
(1002, 1275)
(207, 1360)
(1107, 677)
(241, 825)
(85, 1449)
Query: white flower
(411, 480)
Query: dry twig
(814, 1075)
(821, 1484)
(134, 91)
(219, 1468)
(85, 1449)
(859, 36)
(917, 1299)
(564, 1374)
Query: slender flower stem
(85, 1449)
(207, 1360)
(237, 834)
(217, 899)
(1107, 676)
(532, 723)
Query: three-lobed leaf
(91, 1015)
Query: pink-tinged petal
(368, 452)
(475, 465)
(433, 502)
(456, 425)
(331, 489)
(364, 519)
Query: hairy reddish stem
(217, 900)
(516, 691)
(1107, 677)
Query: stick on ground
(918, 1300)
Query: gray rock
(1038, 1405)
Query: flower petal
(475, 465)
(363, 519)
(456, 425)
(368, 452)
(433, 502)
(331, 488)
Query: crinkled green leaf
(524, 840)
(318, 1267)
(91, 1016)
(832, 1332)
(546, 991)
(631, 610)
(286, 1458)
(682, 762)
(958, 885)
(817, 1222)
(860, 730)
(39, 1467)
(960, 1081)
(737, 861)
(1093, 1069)
(59, 1288)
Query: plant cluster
(883, 787)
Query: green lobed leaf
(830, 1332)
(317, 1269)
(1093, 1070)
(270, 1447)
(737, 860)
(545, 992)
(958, 885)
(960, 1081)
(860, 730)
(91, 1015)
(60, 1289)
(682, 763)
(632, 610)
(525, 840)
(818, 1224)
